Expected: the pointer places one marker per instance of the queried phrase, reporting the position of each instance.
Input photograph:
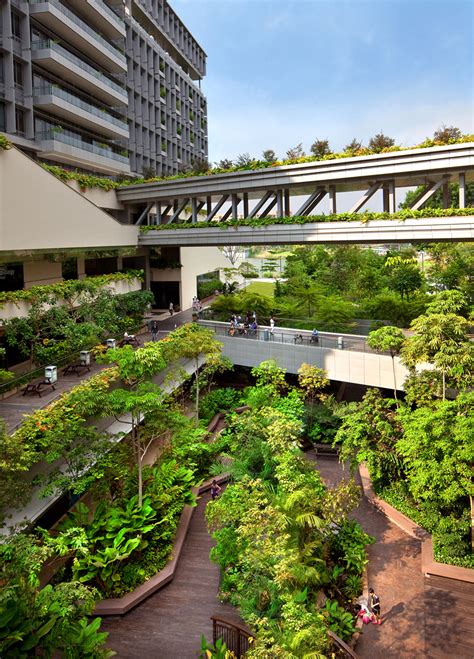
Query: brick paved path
(423, 618)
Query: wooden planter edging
(429, 565)
(118, 606)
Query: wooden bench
(36, 388)
(76, 368)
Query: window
(18, 73)
(2, 78)
(16, 25)
(20, 121)
(3, 119)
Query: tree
(380, 142)
(244, 160)
(353, 146)
(199, 345)
(439, 452)
(447, 134)
(312, 379)
(233, 253)
(295, 152)
(269, 155)
(388, 339)
(148, 171)
(200, 165)
(405, 275)
(320, 148)
(269, 373)
(437, 199)
(225, 163)
(248, 270)
(448, 302)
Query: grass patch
(261, 287)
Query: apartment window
(16, 25)
(20, 121)
(2, 78)
(3, 118)
(18, 73)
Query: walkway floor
(169, 624)
(421, 620)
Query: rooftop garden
(247, 163)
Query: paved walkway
(421, 619)
(169, 624)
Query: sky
(281, 72)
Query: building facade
(107, 86)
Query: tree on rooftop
(295, 152)
(225, 163)
(380, 142)
(353, 146)
(447, 134)
(320, 148)
(244, 160)
(269, 155)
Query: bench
(129, 341)
(36, 388)
(76, 368)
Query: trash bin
(85, 357)
(51, 374)
(111, 343)
(266, 335)
(340, 342)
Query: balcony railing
(48, 43)
(110, 12)
(81, 24)
(76, 141)
(75, 100)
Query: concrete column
(391, 197)
(235, 204)
(446, 196)
(147, 270)
(385, 197)
(287, 205)
(119, 263)
(81, 268)
(158, 212)
(462, 190)
(246, 204)
(332, 200)
(280, 210)
(208, 205)
(194, 217)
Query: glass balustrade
(54, 134)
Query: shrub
(219, 400)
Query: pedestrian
(374, 601)
(154, 330)
(171, 308)
(272, 324)
(215, 489)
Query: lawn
(261, 287)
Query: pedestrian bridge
(345, 357)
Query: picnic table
(36, 388)
(76, 368)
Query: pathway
(169, 624)
(422, 619)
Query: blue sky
(282, 72)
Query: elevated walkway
(354, 362)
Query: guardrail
(236, 638)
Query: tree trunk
(196, 413)
(394, 379)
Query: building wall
(198, 261)
(40, 273)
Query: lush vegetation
(122, 533)
(366, 217)
(72, 315)
(291, 559)
(5, 143)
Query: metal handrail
(342, 645)
(237, 639)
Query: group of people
(369, 609)
(197, 306)
(248, 325)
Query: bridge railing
(334, 341)
(236, 638)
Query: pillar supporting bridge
(256, 194)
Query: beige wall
(40, 212)
(40, 273)
(197, 261)
(99, 197)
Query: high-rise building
(109, 86)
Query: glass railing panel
(110, 12)
(48, 43)
(80, 23)
(76, 141)
(75, 100)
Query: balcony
(57, 17)
(56, 59)
(97, 13)
(65, 105)
(61, 147)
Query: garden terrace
(450, 225)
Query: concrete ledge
(430, 567)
